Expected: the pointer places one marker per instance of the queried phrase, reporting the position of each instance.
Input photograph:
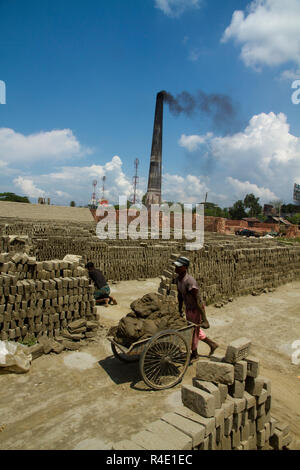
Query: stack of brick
(68, 339)
(228, 407)
(225, 267)
(230, 391)
(167, 285)
(42, 297)
(15, 243)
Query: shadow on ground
(121, 372)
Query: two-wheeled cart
(163, 358)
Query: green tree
(294, 219)
(290, 209)
(251, 203)
(237, 211)
(72, 204)
(13, 197)
(211, 209)
(144, 199)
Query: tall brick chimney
(154, 180)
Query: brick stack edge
(42, 297)
(231, 269)
(226, 266)
(227, 407)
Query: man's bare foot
(194, 355)
(213, 347)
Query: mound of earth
(149, 315)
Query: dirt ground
(86, 399)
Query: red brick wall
(293, 232)
(236, 223)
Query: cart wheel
(123, 357)
(164, 360)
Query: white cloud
(76, 181)
(175, 8)
(188, 189)
(245, 187)
(52, 145)
(266, 140)
(265, 155)
(28, 187)
(62, 194)
(291, 74)
(193, 142)
(269, 33)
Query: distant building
(42, 200)
(269, 210)
(278, 220)
(251, 221)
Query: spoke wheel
(123, 357)
(164, 360)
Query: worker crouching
(102, 289)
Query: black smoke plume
(217, 106)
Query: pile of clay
(149, 315)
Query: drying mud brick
(208, 423)
(219, 417)
(126, 445)
(228, 407)
(228, 423)
(252, 366)
(239, 404)
(250, 400)
(210, 388)
(276, 440)
(198, 400)
(150, 441)
(216, 372)
(71, 345)
(254, 386)
(226, 266)
(168, 433)
(36, 350)
(223, 389)
(237, 389)
(42, 298)
(237, 350)
(262, 398)
(283, 427)
(192, 429)
(75, 325)
(240, 370)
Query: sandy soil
(87, 399)
(43, 212)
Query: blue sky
(81, 81)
